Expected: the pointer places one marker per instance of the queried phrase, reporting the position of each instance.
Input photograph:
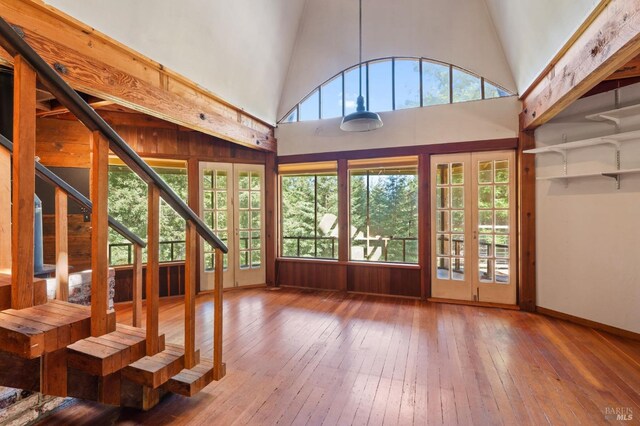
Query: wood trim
(24, 151)
(311, 260)
(137, 286)
(140, 83)
(588, 323)
(441, 148)
(99, 234)
(472, 303)
(424, 223)
(271, 226)
(526, 193)
(153, 271)
(62, 245)
(563, 50)
(610, 41)
(343, 211)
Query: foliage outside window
(391, 84)
(128, 204)
(384, 214)
(309, 206)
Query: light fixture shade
(361, 121)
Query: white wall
(533, 31)
(455, 31)
(237, 49)
(588, 234)
(465, 121)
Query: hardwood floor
(306, 357)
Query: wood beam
(609, 42)
(271, 237)
(5, 209)
(59, 110)
(343, 212)
(99, 234)
(130, 79)
(424, 223)
(62, 245)
(24, 180)
(630, 70)
(153, 271)
(526, 221)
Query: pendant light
(361, 120)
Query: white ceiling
(264, 55)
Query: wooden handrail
(11, 41)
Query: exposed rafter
(78, 53)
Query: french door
(232, 205)
(473, 227)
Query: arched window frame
(294, 113)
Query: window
(309, 206)
(332, 98)
(465, 86)
(406, 83)
(310, 107)
(379, 88)
(391, 84)
(128, 204)
(435, 83)
(384, 210)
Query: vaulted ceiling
(264, 55)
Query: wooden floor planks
(302, 357)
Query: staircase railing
(27, 66)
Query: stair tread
(155, 370)
(43, 328)
(190, 381)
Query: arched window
(390, 84)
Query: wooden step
(104, 355)
(154, 371)
(191, 381)
(46, 328)
(39, 291)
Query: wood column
(190, 296)
(219, 369)
(271, 224)
(62, 246)
(424, 224)
(5, 210)
(344, 234)
(24, 151)
(99, 234)
(153, 270)
(193, 194)
(137, 286)
(526, 221)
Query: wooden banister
(62, 246)
(24, 152)
(99, 234)
(153, 269)
(218, 367)
(137, 285)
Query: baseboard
(588, 323)
(472, 303)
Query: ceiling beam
(610, 41)
(95, 64)
(630, 70)
(58, 110)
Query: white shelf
(614, 139)
(616, 115)
(615, 173)
(567, 177)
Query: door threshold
(472, 303)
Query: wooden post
(424, 224)
(193, 187)
(137, 285)
(526, 221)
(5, 210)
(62, 246)
(24, 151)
(153, 270)
(344, 235)
(218, 366)
(190, 297)
(271, 228)
(99, 234)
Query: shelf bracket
(563, 153)
(615, 120)
(613, 175)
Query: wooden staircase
(62, 349)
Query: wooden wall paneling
(610, 41)
(424, 224)
(99, 235)
(271, 224)
(320, 274)
(24, 150)
(526, 222)
(384, 279)
(136, 286)
(62, 245)
(153, 283)
(139, 83)
(63, 143)
(79, 241)
(5, 209)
